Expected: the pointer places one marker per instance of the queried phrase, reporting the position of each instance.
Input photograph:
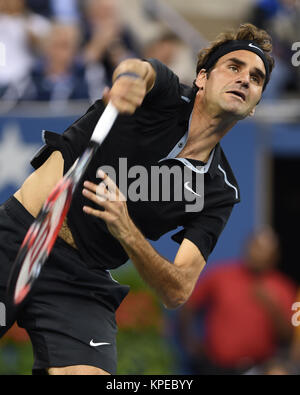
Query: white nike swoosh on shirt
(98, 344)
(186, 185)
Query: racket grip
(105, 123)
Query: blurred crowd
(67, 50)
(281, 19)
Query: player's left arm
(173, 282)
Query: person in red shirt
(248, 310)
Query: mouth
(238, 94)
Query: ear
(252, 112)
(201, 79)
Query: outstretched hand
(110, 198)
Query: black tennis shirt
(152, 137)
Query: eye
(255, 79)
(233, 67)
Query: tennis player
(70, 316)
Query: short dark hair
(246, 31)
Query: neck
(206, 130)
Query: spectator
(59, 74)
(108, 41)
(20, 33)
(170, 50)
(63, 11)
(248, 316)
(281, 19)
(164, 48)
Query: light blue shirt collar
(179, 147)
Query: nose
(243, 79)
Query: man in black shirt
(163, 125)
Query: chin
(235, 111)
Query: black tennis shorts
(70, 315)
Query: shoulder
(167, 90)
(164, 75)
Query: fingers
(128, 93)
(113, 209)
(112, 187)
(96, 213)
(107, 190)
(99, 200)
(90, 186)
(114, 193)
(98, 196)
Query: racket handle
(105, 123)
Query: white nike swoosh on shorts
(98, 344)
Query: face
(62, 45)
(101, 10)
(164, 50)
(262, 251)
(234, 85)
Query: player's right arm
(132, 80)
(127, 93)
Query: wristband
(128, 74)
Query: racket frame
(68, 185)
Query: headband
(236, 45)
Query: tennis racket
(43, 232)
